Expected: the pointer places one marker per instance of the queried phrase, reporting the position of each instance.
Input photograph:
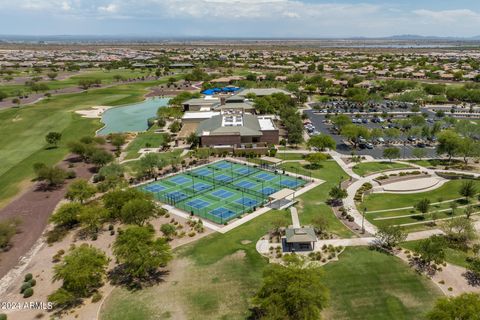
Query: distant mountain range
(153, 38)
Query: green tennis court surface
(221, 191)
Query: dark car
(421, 145)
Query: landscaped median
(401, 209)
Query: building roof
(202, 101)
(296, 235)
(266, 123)
(191, 115)
(230, 124)
(261, 92)
(236, 105)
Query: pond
(131, 118)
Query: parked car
(421, 145)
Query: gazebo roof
(296, 235)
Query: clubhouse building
(230, 121)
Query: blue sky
(241, 18)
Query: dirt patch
(246, 242)
(34, 208)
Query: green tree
(101, 157)
(193, 139)
(67, 214)
(341, 120)
(389, 236)
(321, 223)
(419, 153)
(8, 228)
(423, 206)
(115, 200)
(316, 159)
(464, 307)
(467, 190)
(80, 190)
(432, 250)
(459, 231)
(138, 211)
(139, 252)
(92, 218)
(448, 143)
(118, 140)
(82, 270)
(353, 133)
(294, 291)
(391, 153)
(453, 207)
(337, 193)
(54, 176)
(322, 142)
(53, 138)
(148, 164)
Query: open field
(370, 285)
(312, 203)
(105, 76)
(214, 279)
(148, 139)
(382, 201)
(23, 130)
(289, 156)
(367, 168)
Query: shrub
(71, 174)
(25, 286)
(3, 316)
(97, 296)
(28, 277)
(28, 293)
(32, 282)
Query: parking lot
(371, 148)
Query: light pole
(363, 220)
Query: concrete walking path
(295, 220)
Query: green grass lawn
(452, 255)
(107, 77)
(367, 168)
(222, 275)
(23, 130)
(312, 203)
(381, 201)
(368, 285)
(289, 156)
(132, 166)
(142, 140)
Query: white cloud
(307, 18)
(448, 15)
(110, 8)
